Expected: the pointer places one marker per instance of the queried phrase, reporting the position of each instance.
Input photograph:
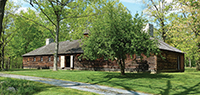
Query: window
(58, 58)
(41, 59)
(34, 59)
(49, 58)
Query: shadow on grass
(187, 90)
(190, 90)
(137, 75)
(166, 91)
(108, 80)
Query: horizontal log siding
(28, 62)
(147, 64)
(152, 63)
(170, 63)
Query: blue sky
(133, 6)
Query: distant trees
(188, 21)
(181, 25)
(28, 36)
(115, 33)
(7, 29)
(158, 12)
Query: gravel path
(77, 85)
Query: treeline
(177, 23)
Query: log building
(69, 52)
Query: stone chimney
(49, 40)
(149, 29)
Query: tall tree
(28, 37)
(56, 11)
(115, 34)
(187, 20)
(8, 24)
(2, 8)
(158, 11)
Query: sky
(134, 6)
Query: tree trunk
(56, 45)
(120, 63)
(8, 64)
(190, 63)
(163, 30)
(2, 54)
(198, 65)
(198, 61)
(123, 67)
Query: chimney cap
(85, 33)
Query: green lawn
(25, 87)
(187, 82)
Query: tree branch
(44, 13)
(34, 22)
(79, 16)
(52, 6)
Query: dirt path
(76, 85)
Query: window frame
(34, 59)
(49, 58)
(41, 58)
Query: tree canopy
(115, 33)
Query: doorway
(67, 62)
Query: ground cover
(178, 83)
(25, 87)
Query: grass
(179, 83)
(25, 87)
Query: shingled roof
(65, 47)
(165, 46)
(73, 47)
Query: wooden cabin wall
(170, 61)
(28, 62)
(153, 63)
(131, 64)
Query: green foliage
(8, 29)
(159, 13)
(28, 37)
(184, 29)
(61, 13)
(181, 25)
(115, 33)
